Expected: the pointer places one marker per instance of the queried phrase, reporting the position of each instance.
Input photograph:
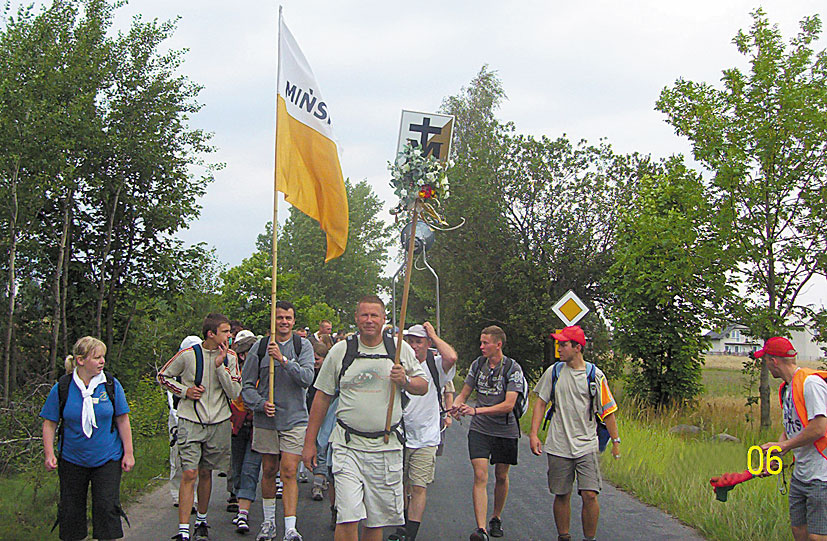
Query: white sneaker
(268, 531)
(279, 488)
(292, 535)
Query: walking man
(495, 429)
(571, 443)
(803, 396)
(367, 470)
(209, 380)
(279, 426)
(423, 423)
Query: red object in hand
(730, 479)
(426, 192)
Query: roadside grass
(672, 471)
(28, 500)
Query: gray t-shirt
(491, 387)
(809, 464)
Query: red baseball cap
(574, 333)
(777, 346)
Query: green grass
(28, 501)
(672, 472)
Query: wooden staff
(275, 233)
(406, 288)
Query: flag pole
(275, 243)
(402, 313)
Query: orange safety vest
(798, 401)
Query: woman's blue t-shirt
(104, 445)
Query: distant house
(733, 340)
(736, 340)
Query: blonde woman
(95, 443)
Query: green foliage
(98, 171)
(540, 218)
(339, 283)
(149, 409)
(668, 281)
(764, 136)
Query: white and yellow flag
(307, 162)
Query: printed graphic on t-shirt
(370, 380)
(792, 424)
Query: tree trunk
(126, 331)
(63, 293)
(764, 382)
(56, 295)
(104, 256)
(12, 288)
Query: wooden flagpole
(273, 298)
(406, 288)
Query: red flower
(426, 192)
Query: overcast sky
(587, 69)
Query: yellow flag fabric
(307, 161)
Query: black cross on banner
(426, 130)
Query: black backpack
(265, 341)
(351, 354)
(508, 368)
(63, 384)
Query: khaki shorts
(205, 447)
(561, 473)
(420, 465)
(274, 442)
(368, 486)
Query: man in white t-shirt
(803, 396)
(367, 469)
(423, 423)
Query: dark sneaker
(495, 527)
(317, 493)
(479, 535)
(232, 504)
(398, 535)
(241, 525)
(180, 537)
(201, 532)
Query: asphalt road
(449, 513)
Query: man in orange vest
(803, 396)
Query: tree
(669, 281)
(100, 169)
(340, 282)
(540, 220)
(764, 137)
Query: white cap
(417, 330)
(189, 341)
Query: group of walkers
(327, 416)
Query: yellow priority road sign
(570, 309)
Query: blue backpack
(602, 432)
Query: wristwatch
(616, 440)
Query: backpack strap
(110, 392)
(62, 396)
(351, 353)
(555, 374)
(430, 360)
(297, 345)
(199, 364)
